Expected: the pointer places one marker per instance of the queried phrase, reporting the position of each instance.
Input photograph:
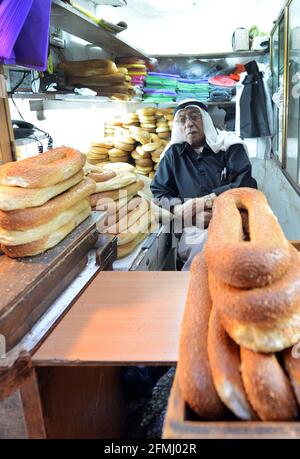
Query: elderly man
(199, 164)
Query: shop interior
(91, 324)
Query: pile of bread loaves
(141, 136)
(128, 216)
(42, 199)
(242, 317)
(100, 75)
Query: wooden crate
(180, 424)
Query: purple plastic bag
(13, 14)
(31, 44)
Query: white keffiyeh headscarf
(217, 140)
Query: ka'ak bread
(116, 183)
(38, 232)
(246, 264)
(139, 227)
(126, 249)
(47, 242)
(43, 170)
(22, 220)
(292, 366)
(225, 363)
(115, 195)
(268, 388)
(265, 319)
(129, 219)
(121, 209)
(101, 80)
(93, 67)
(193, 368)
(14, 198)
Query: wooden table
(130, 318)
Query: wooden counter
(121, 318)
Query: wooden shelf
(72, 21)
(223, 55)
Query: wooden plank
(30, 285)
(179, 426)
(82, 402)
(121, 318)
(6, 131)
(32, 408)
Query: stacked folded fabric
(193, 89)
(160, 87)
(223, 88)
(219, 93)
(42, 199)
(100, 75)
(128, 216)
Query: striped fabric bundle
(24, 32)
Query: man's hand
(190, 208)
(202, 220)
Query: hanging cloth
(253, 105)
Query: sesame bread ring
(140, 135)
(125, 147)
(268, 388)
(105, 143)
(193, 368)
(43, 170)
(124, 139)
(265, 319)
(25, 219)
(292, 365)
(53, 223)
(141, 154)
(117, 195)
(116, 183)
(100, 150)
(14, 197)
(157, 153)
(144, 163)
(156, 160)
(49, 241)
(246, 264)
(145, 170)
(148, 125)
(161, 130)
(155, 138)
(117, 153)
(147, 119)
(149, 147)
(120, 159)
(148, 111)
(165, 135)
(225, 363)
(102, 177)
(135, 155)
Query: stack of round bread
(99, 150)
(42, 199)
(100, 75)
(140, 136)
(128, 216)
(242, 316)
(123, 146)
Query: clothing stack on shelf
(189, 88)
(160, 87)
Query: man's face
(190, 121)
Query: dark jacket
(183, 173)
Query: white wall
(189, 26)
(282, 198)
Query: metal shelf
(72, 21)
(223, 55)
(77, 98)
